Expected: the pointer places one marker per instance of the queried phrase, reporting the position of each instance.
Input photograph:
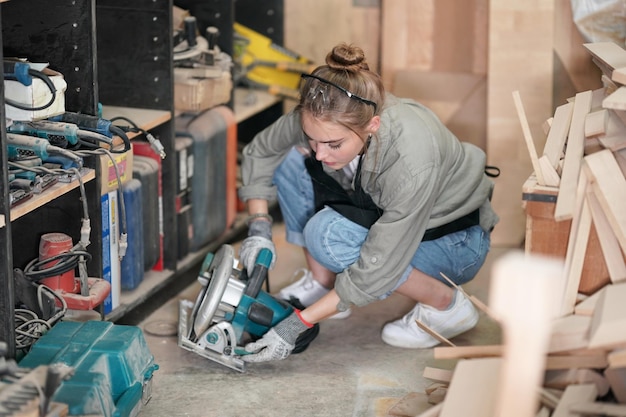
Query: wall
(313, 27)
(464, 59)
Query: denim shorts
(335, 242)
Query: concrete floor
(346, 371)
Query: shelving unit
(40, 200)
(109, 52)
(116, 57)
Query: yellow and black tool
(261, 63)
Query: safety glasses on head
(343, 90)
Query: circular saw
(232, 310)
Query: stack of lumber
(563, 353)
(583, 162)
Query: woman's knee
(333, 240)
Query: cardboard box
(106, 170)
(546, 236)
(111, 266)
(35, 95)
(197, 90)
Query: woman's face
(334, 145)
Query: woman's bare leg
(426, 290)
(320, 273)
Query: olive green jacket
(415, 170)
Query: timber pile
(563, 351)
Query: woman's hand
(259, 237)
(278, 342)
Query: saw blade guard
(218, 273)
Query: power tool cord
(45, 79)
(155, 143)
(90, 139)
(36, 269)
(29, 327)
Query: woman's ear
(374, 124)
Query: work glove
(278, 342)
(259, 237)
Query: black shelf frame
(117, 53)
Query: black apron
(357, 205)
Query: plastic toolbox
(113, 367)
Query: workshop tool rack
(116, 57)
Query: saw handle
(259, 273)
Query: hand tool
(20, 146)
(104, 127)
(59, 134)
(232, 310)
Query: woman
(382, 198)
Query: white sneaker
(307, 290)
(457, 319)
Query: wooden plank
(471, 391)
(467, 352)
(573, 394)
(55, 191)
(577, 408)
(437, 374)
(557, 136)
(596, 123)
(546, 236)
(550, 397)
(561, 379)
(569, 333)
(608, 241)
(617, 358)
(586, 306)
(576, 246)
(433, 333)
(478, 303)
(550, 176)
(595, 361)
(615, 136)
(619, 75)
(528, 138)
(620, 157)
(410, 405)
(573, 157)
(516, 278)
(609, 318)
(617, 380)
(607, 176)
(616, 100)
(608, 53)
